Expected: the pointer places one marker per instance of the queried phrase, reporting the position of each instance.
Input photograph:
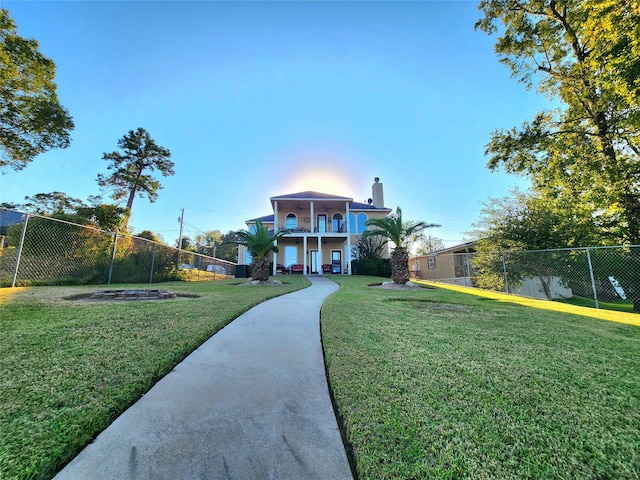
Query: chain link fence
(600, 277)
(37, 250)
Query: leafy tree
(586, 55)
(228, 249)
(225, 246)
(400, 233)
(207, 241)
(524, 222)
(259, 244)
(370, 248)
(52, 203)
(64, 207)
(105, 216)
(370, 257)
(140, 154)
(31, 119)
(149, 235)
(428, 244)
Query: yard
(442, 384)
(70, 367)
(432, 383)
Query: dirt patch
(128, 295)
(409, 286)
(253, 283)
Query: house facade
(324, 230)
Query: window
(358, 226)
(352, 223)
(291, 222)
(338, 223)
(247, 257)
(322, 223)
(290, 255)
(362, 221)
(252, 229)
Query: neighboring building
(455, 265)
(324, 229)
(449, 265)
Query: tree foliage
(52, 203)
(586, 55)
(32, 120)
(401, 233)
(223, 244)
(524, 222)
(370, 257)
(426, 244)
(61, 206)
(132, 166)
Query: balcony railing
(342, 229)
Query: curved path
(251, 403)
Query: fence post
(468, 275)
(153, 261)
(113, 257)
(593, 282)
(22, 235)
(506, 279)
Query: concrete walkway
(250, 403)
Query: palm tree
(260, 244)
(400, 233)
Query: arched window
(352, 223)
(291, 222)
(338, 223)
(362, 221)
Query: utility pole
(181, 220)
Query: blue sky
(258, 99)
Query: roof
(310, 195)
(467, 247)
(9, 217)
(265, 219)
(365, 206)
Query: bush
(375, 267)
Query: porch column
(313, 217)
(276, 227)
(348, 255)
(320, 272)
(275, 265)
(304, 254)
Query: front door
(336, 261)
(315, 260)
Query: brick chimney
(377, 195)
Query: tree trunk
(545, 286)
(400, 266)
(260, 269)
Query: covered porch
(313, 253)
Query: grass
(621, 306)
(445, 384)
(70, 367)
(584, 310)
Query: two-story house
(324, 229)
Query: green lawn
(620, 305)
(69, 368)
(445, 385)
